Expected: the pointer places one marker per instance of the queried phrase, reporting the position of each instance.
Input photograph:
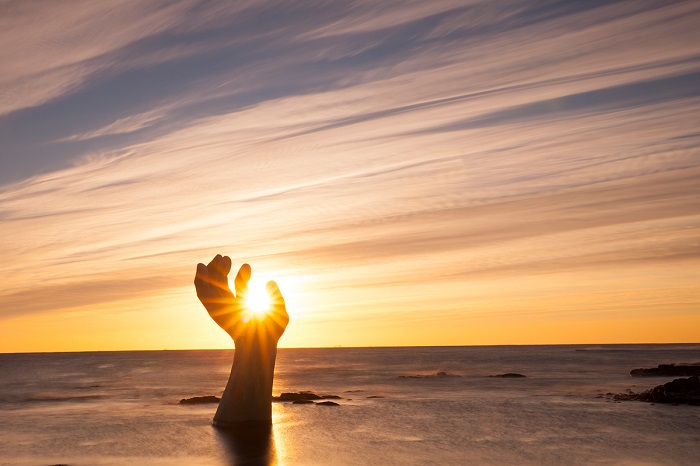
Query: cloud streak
(424, 157)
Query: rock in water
(302, 402)
(668, 370)
(199, 400)
(303, 396)
(680, 391)
(509, 375)
(291, 396)
(327, 403)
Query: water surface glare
(122, 408)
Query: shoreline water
(121, 407)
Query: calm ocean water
(122, 408)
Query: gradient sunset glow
(409, 173)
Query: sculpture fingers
(277, 305)
(241, 281)
(218, 270)
(201, 281)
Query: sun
(257, 301)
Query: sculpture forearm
(248, 394)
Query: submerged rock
(303, 396)
(327, 403)
(679, 391)
(668, 370)
(195, 400)
(296, 396)
(509, 375)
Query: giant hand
(247, 397)
(230, 312)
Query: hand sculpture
(248, 394)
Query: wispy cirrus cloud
(124, 125)
(370, 148)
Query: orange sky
(442, 173)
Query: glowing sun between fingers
(258, 301)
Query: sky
(410, 172)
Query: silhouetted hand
(230, 312)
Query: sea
(115, 408)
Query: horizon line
(351, 347)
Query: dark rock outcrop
(509, 375)
(375, 396)
(327, 403)
(668, 370)
(200, 400)
(302, 402)
(679, 391)
(295, 396)
(303, 396)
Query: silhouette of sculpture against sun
(255, 326)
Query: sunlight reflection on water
(552, 416)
